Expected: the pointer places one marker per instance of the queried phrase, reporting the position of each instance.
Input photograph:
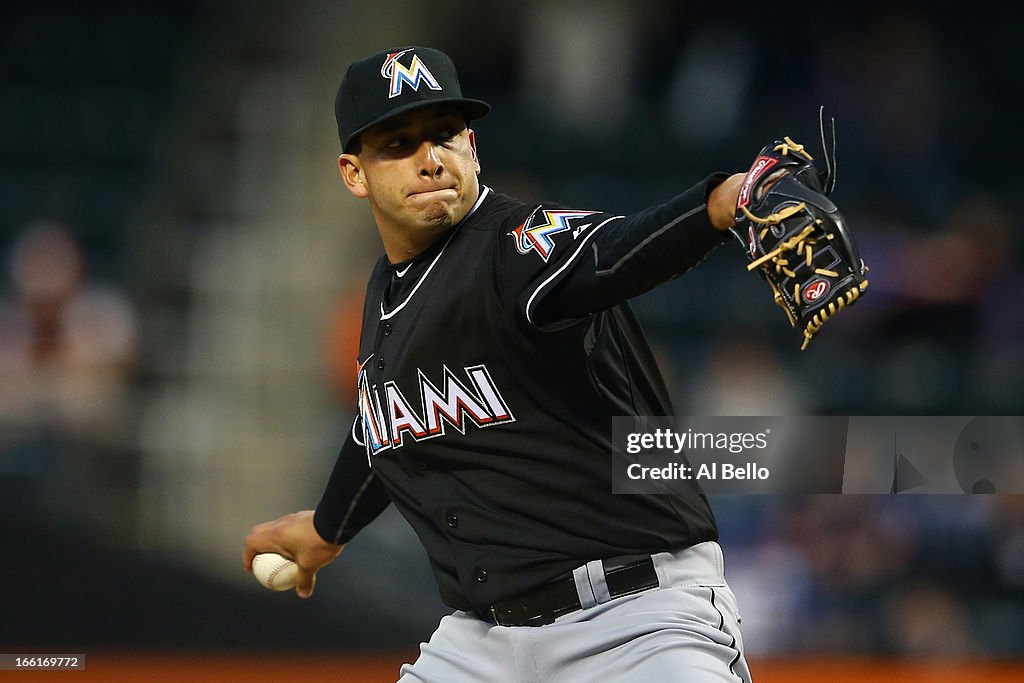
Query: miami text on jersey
(388, 418)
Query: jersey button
(453, 521)
(387, 329)
(481, 575)
(380, 363)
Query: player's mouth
(427, 193)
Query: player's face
(418, 170)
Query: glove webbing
(815, 323)
(787, 146)
(802, 243)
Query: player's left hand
(796, 238)
(722, 202)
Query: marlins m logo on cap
(399, 75)
(360, 101)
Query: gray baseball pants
(687, 629)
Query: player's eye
(395, 143)
(444, 135)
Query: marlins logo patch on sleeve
(537, 232)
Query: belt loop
(661, 563)
(598, 582)
(583, 588)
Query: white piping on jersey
(355, 437)
(647, 240)
(565, 265)
(396, 309)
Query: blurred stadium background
(183, 271)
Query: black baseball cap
(396, 81)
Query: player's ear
(352, 174)
(472, 146)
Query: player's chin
(437, 213)
(439, 219)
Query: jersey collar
(479, 200)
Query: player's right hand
(294, 537)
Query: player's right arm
(354, 495)
(353, 498)
(294, 537)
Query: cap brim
(473, 109)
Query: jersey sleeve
(560, 265)
(353, 498)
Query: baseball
(274, 571)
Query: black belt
(543, 605)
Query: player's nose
(430, 163)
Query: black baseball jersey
(490, 367)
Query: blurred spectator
(774, 587)
(852, 551)
(743, 376)
(939, 312)
(67, 347)
(1008, 529)
(576, 60)
(709, 85)
(926, 620)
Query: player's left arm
(722, 200)
(625, 256)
